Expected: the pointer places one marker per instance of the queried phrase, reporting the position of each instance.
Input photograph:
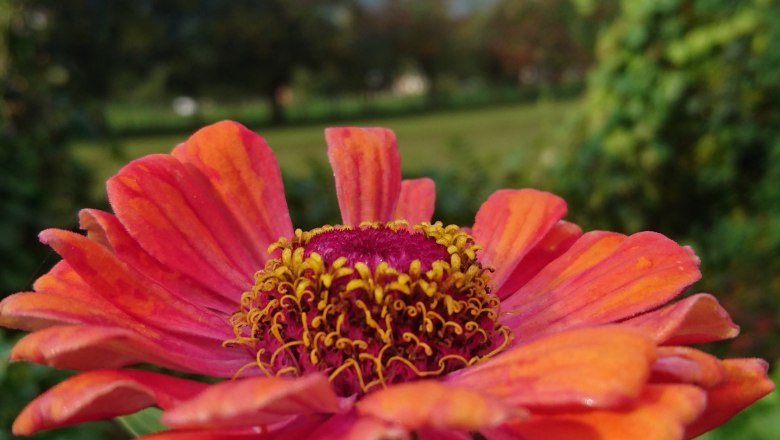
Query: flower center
(371, 305)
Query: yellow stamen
(410, 320)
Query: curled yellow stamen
(385, 323)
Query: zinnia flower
(386, 326)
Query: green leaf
(143, 422)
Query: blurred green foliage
(286, 52)
(40, 183)
(682, 135)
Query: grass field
(515, 135)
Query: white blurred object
(185, 106)
(410, 84)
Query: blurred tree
(244, 46)
(682, 135)
(388, 38)
(94, 42)
(200, 48)
(545, 41)
(423, 35)
(40, 184)
(366, 59)
(146, 50)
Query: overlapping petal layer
(242, 170)
(510, 223)
(604, 277)
(37, 310)
(695, 319)
(61, 297)
(146, 303)
(75, 334)
(102, 394)
(557, 241)
(688, 365)
(85, 347)
(662, 413)
(173, 214)
(416, 200)
(213, 434)
(436, 405)
(597, 367)
(114, 236)
(347, 426)
(255, 401)
(746, 381)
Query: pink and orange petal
(255, 402)
(416, 201)
(244, 173)
(510, 223)
(746, 382)
(604, 277)
(436, 405)
(367, 168)
(599, 367)
(693, 320)
(661, 413)
(100, 395)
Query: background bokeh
(643, 114)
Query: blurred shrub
(40, 185)
(312, 199)
(682, 135)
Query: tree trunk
(277, 109)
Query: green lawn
(516, 134)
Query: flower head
(519, 326)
